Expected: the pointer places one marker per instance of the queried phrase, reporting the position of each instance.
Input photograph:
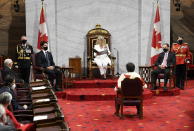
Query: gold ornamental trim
(98, 30)
(23, 58)
(180, 54)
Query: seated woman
(5, 100)
(101, 52)
(3, 120)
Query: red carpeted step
(92, 94)
(97, 83)
(169, 92)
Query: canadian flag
(156, 37)
(42, 35)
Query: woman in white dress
(101, 52)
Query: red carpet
(94, 83)
(95, 94)
(161, 113)
(169, 92)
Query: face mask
(24, 41)
(45, 48)
(180, 41)
(165, 50)
(13, 86)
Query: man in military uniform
(181, 49)
(23, 57)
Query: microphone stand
(117, 74)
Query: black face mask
(24, 41)
(45, 48)
(165, 50)
(180, 41)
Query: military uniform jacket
(23, 55)
(181, 51)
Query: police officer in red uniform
(181, 49)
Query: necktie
(164, 63)
(47, 58)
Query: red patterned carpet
(161, 113)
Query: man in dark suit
(165, 60)
(44, 59)
(7, 70)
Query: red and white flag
(156, 37)
(42, 35)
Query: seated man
(44, 59)
(9, 86)
(3, 120)
(7, 70)
(165, 60)
(131, 75)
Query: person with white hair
(5, 100)
(101, 52)
(7, 70)
(3, 120)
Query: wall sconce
(16, 6)
(177, 4)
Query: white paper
(39, 88)
(43, 100)
(40, 117)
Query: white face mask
(13, 86)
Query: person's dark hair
(42, 43)
(130, 67)
(166, 44)
(9, 79)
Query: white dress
(102, 60)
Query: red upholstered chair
(172, 77)
(131, 94)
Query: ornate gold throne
(92, 36)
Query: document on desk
(39, 88)
(40, 117)
(43, 100)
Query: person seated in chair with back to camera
(101, 52)
(131, 75)
(165, 61)
(44, 59)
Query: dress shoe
(116, 114)
(153, 88)
(58, 89)
(165, 88)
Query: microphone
(118, 74)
